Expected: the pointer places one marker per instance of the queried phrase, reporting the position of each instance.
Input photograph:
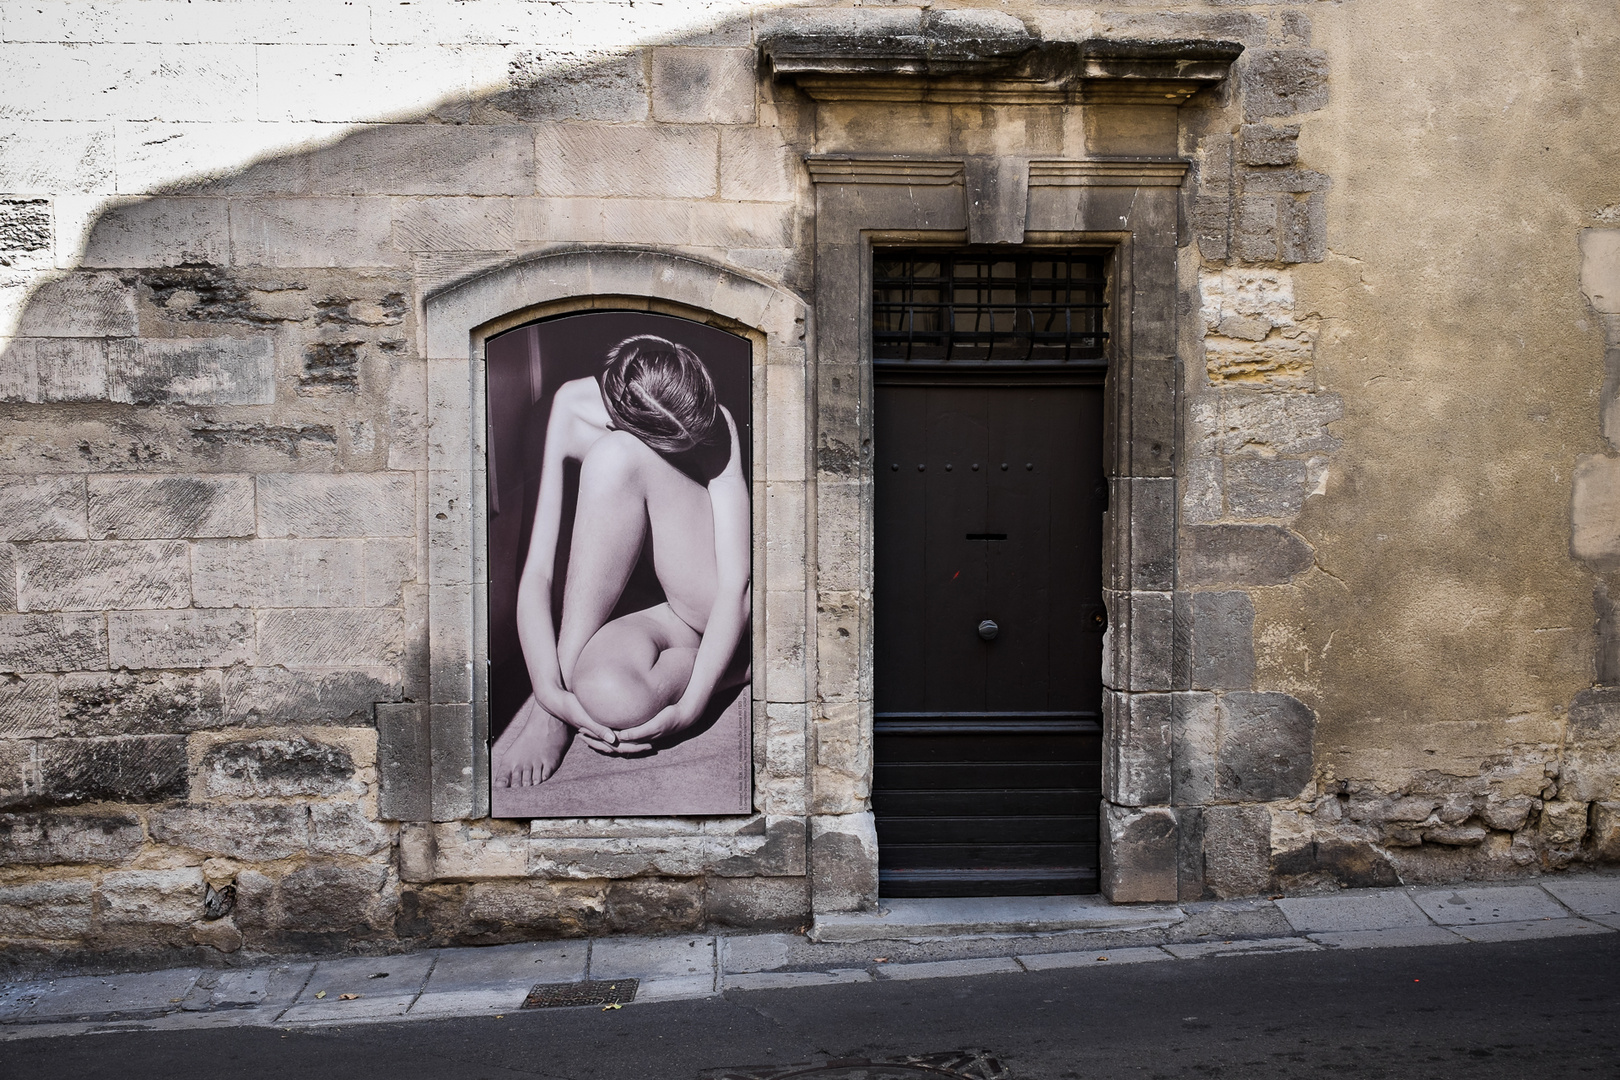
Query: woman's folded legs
(634, 666)
(624, 671)
(627, 672)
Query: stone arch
(460, 315)
(444, 744)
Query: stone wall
(1385, 605)
(225, 443)
(1378, 478)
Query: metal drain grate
(560, 995)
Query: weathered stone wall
(1400, 374)
(224, 442)
(1384, 601)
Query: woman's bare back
(629, 493)
(680, 519)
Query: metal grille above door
(969, 307)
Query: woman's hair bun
(661, 393)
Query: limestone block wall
(224, 565)
(1378, 477)
(239, 482)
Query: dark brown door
(989, 637)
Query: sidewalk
(917, 939)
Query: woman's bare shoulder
(578, 419)
(731, 422)
(581, 399)
(575, 391)
(733, 467)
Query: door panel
(904, 655)
(900, 776)
(988, 769)
(954, 572)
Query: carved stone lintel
(1007, 71)
(858, 169)
(1114, 173)
(1151, 71)
(930, 44)
(940, 172)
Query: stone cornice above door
(1005, 70)
(1109, 172)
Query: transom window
(980, 307)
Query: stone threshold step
(990, 916)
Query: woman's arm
(565, 429)
(733, 538)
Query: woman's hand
(562, 704)
(670, 720)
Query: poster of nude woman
(620, 539)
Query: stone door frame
(813, 706)
(1133, 207)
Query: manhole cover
(557, 995)
(962, 1064)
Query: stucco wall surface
(1452, 637)
(229, 448)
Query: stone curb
(493, 980)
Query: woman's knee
(613, 462)
(614, 694)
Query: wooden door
(987, 737)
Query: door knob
(988, 629)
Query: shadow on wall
(287, 287)
(218, 417)
(213, 346)
(217, 426)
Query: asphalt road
(1546, 1010)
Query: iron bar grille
(1039, 308)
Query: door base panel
(1013, 813)
(1056, 881)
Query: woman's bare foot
(530, 749)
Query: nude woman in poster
(659, 457)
